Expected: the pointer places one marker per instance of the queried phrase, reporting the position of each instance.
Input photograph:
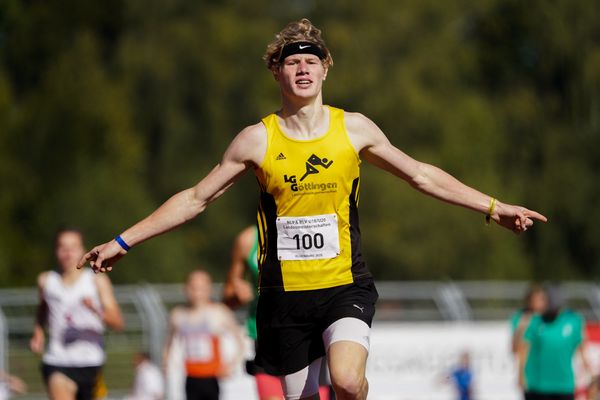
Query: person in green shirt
(547, 350)
(535, 303)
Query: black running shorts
(86, 378)
(290, 324)
(201, 388)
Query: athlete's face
(198, 288)
(301, 75)
(69, 250)
(538, 302)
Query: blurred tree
(108, 109)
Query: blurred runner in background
(201, 326)
(148, 383)
(535, 303)
(10, 384)
(549, 344)
(75, 305)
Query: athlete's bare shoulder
(222, 310)
(41, 279)
(103, 284)
(102, 279)
(362, 132)
(249, 146)
(177, 312)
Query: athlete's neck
(304, 121)
(69, 275)
(199, 305)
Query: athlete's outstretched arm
(374, 146)
(246, 150)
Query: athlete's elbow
(114, 320)
(422, 180)
(196, 203)
(116, 324)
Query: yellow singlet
(308, 213)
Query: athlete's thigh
(346, 357)
(61, 387)
(303, 384)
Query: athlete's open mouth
(303, 82)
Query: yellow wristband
(488, 216)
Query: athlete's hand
(36, 344)
(102, 258)
(225, 371)
(240, 292)
(516, 218)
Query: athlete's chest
(310, 168)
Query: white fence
(410, 315)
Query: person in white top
(75, 305)
(201, 326)
(149, 383)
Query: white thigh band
(350, 329)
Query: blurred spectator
(549, 344)
(535, 302)
(200, 325)
(149, 383)
(462, 378)
(11, 384)
(75, 305)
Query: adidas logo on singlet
(280, 157)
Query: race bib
(308, 238)
(199, 347)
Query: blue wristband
(122, 243)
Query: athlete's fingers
(97, 265)
(536, 215)
(86, 257)
(521, 219)
(517, 227)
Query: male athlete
(75, 305)
(316, 293)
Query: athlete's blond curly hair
(297, 31)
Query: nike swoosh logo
(360, 308)
(303, 47)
